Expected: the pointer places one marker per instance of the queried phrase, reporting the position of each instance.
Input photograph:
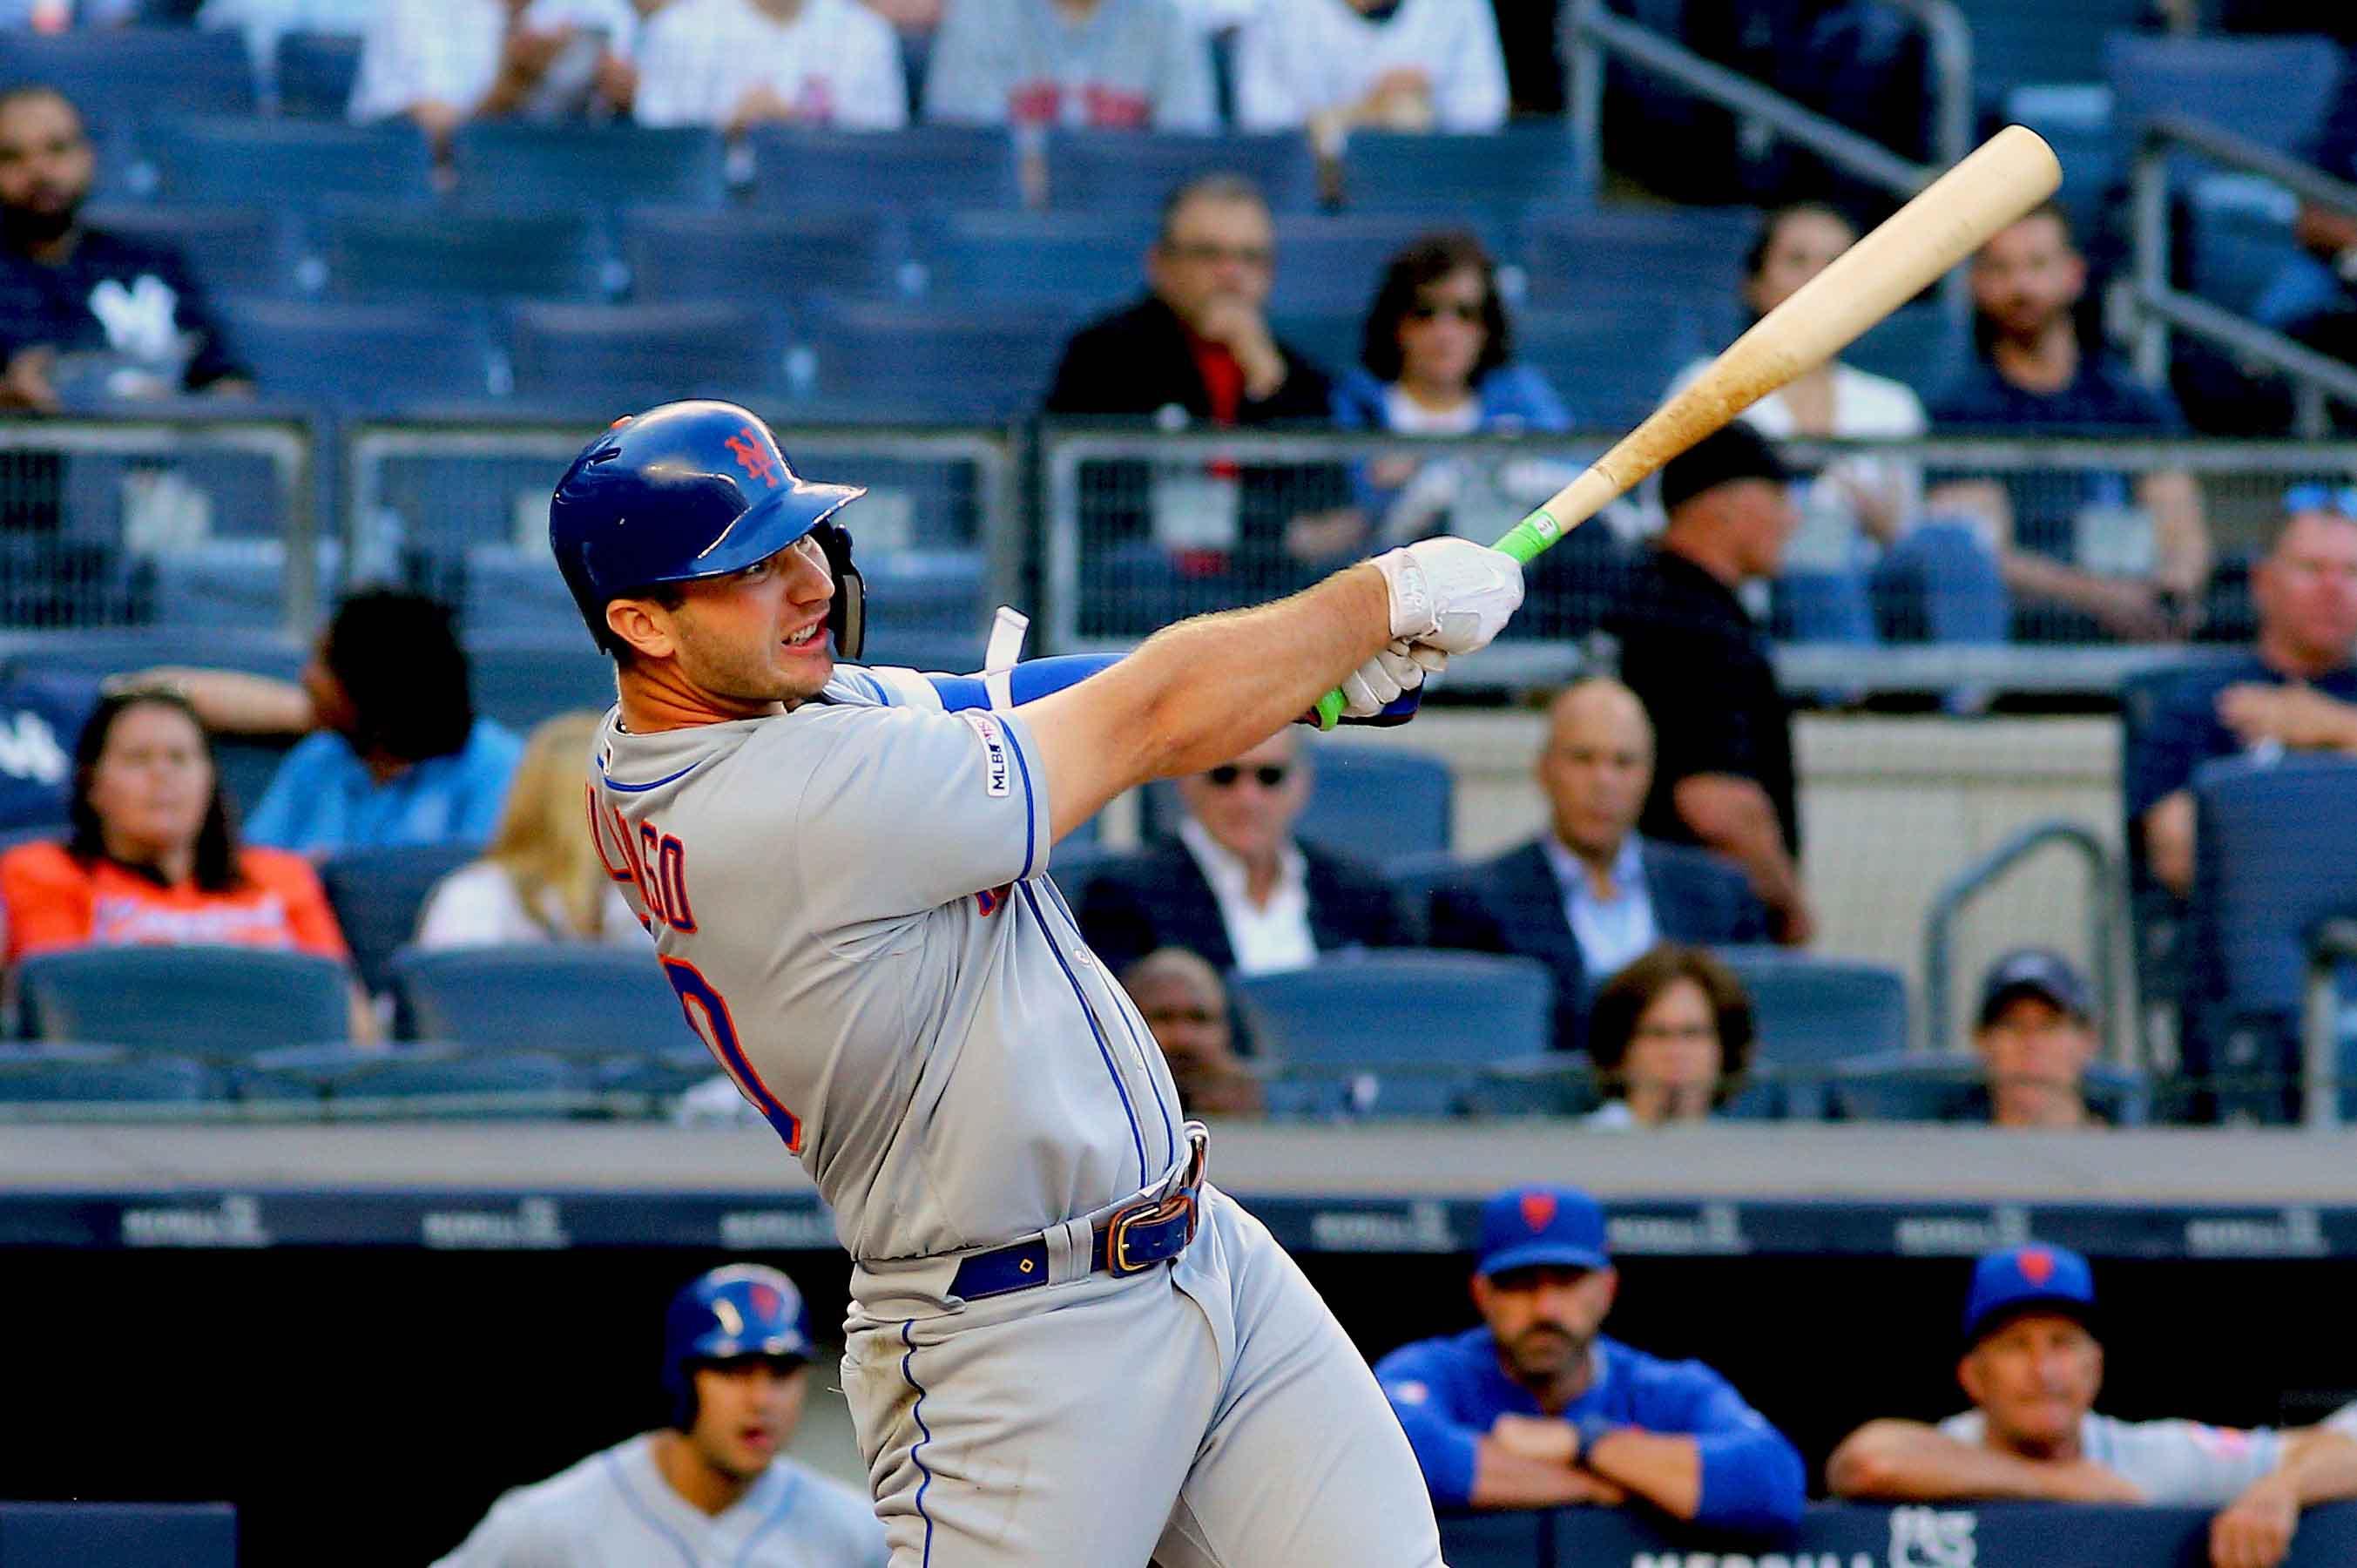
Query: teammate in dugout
(1538, 1409)
(712, 1487)
(1064, 1344)
(2032, 1367)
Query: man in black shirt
(86, 315)
(1723, 776)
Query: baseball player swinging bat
(1953, 216)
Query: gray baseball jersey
(2171, 1462)
(851, 901)
(614, 1509)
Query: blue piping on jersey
(777, 1515)
(1030, 802)
(638, 1506)
(883, 692)
(917, 1412)
(607, 779)
(1104, 1049)
(1169, 1133)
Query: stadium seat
(383, 252)
(1134, 172)
(1409, 1032)
(199, 1000)
(118, 76)
(579, 1001)
(1335, 263)
(1374, 804)
(1810, 1011)
(1331, 338)
(228, 250)
(313, 73)
(521, 683)
(508, 166)
(1495, 176)
(101, 1077)
(362, 357)
(931, 593)
(765, 257)
(1919, 345)
(2020, 41)
(1415, 878)
(601, 357)
(923, 166)
(1577, 257)
(1910, 1087)
(935, 359)
(1089, 260)
(377, 894)
(1611, 369)
(275, 162)
(409, 1082)
(2273, 91)
(2239, 247)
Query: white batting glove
(1393, 671)
(1450, 594)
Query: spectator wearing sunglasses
(1234, 885)
(2296, 689)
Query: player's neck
(653, 701)
(706, 1490)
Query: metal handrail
(2159, 307)
(2104, 895)
(2319, 1104)
(1590, 32)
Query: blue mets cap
(2034, 972)
(2026, 1279)
(1537, 1227)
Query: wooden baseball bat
(1950, 219)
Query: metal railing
(2160, 308)
(2104, 911)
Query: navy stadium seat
(367, 357)
(1610, 369)
(889, 171)
(1408, 1032)
(1134, 171)
(1329, 338)
(104, 1077)
(609, 356)
(2273, 91)
(1920, 345)
(228, 160)
(510, 165)
(386, 251)
(2019, 41)
(1416, 878)
(1811, 1011)
(1579, 258)
(582, 1001)
(1499, 176)
(1335, 263)
(1375, 803)
(313, 73)
(115, 76)
(1090, 261)
(228, 250)
(201, 1000)
(521, 683)
(752, 254)
(1908, 1087)
(414, 1082)
(378, 894)
(936, 359)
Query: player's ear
(643, 625)
(1609, 1287)
(1968, 1376)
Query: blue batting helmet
(740, 1309)
(688, 490)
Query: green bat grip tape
(1523, 541)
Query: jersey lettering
(707, 1014)
(671, 869)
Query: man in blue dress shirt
(1538, 1409)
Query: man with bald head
(1590, 895)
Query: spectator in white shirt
(1099, 65)
(541, 879)
(1237, 886)
(445, 62)
(1337, 66)
(735, 63)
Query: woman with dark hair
(152, 857)
(1670, 1038)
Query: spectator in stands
(58, 16)
(1669, 1039)
(2296, 689)
(87, 316)
(151, 856)
(739, 63)
(541, 878)
(1723, 774)
(1198, 347)
(2037, 1035)
(1591, 894)
(2314, 298)
(1099, 65)
(2131, 563)
(445, 62)
(2033, 1365)
(1181, 999)
(1866, 559)
(1235, 885)
(399, 755)
(1538, 1408)
(1337, 66)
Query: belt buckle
(1117, 1259)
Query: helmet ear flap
(849, 618)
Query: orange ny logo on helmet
(753, 457)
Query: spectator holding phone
(445, 62)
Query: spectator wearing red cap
(1537, 1408)
(2032, 1366)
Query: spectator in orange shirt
(152, 857)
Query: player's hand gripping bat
(1953, 216)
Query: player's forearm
(1505, 1480)
(1904, 1461)
(1735, 817)
(1665, 1468)
(2321, 1466)
(230, 702)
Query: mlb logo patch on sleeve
(995, 764)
